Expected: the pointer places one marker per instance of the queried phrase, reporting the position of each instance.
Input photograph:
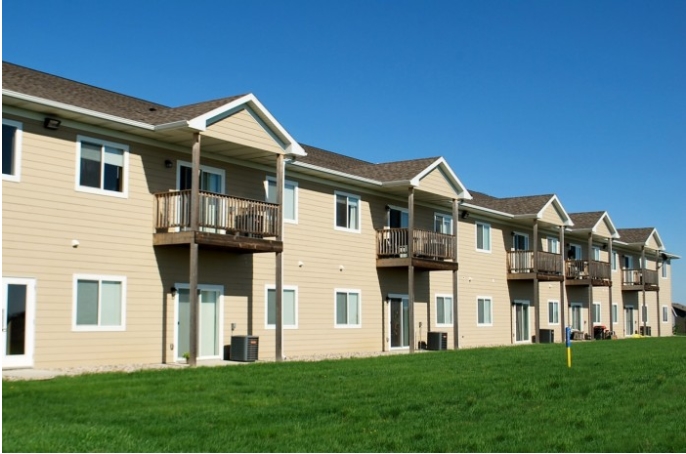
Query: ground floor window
(99, 303)
(484, 311)
(553, 312)
(348, 309)
(289, 307)
(444, 310)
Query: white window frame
(356, 229)
(615, 313)
(348, 292)
(295, 197)
(445, 218)
(614, 260)
(596, 253)
(665, 314)
(16, 152)
(484, 225)
(100, 278)
(526, 242)
(663, 272)
(445, 297)
(124, 194)
(597, 310)
(553, 245)
(554, 315)
(286, 288)
(490, 310)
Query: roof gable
(643, 236)
(598, 222)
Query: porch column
(410, 268)
(609, 250)
(280, 171)
(590, 284)
(657, 293)
(644, 311)
(456, 222)
(193, 278)
(563, 305)
(537, 305)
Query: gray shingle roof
(54, 88)
(586, 220)
(383, 172)
(513, 205)
(635, 235)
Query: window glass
(99, 303)
(484, 311)
(443, 224)
(444, 310)
(347, 212)
(289, 308)
(596, 312)
(289, 198)
(483, 236)
(553, 312)
(8, 146)
(347, 308)
(553, 245)
(102, 166)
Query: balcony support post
(280, 171)
(563, 304)
(609, 257)
(657, 292)
(537, 304)
(410, 268)
(456, 222)
(589, 260)
(644, 311)
(193, 278)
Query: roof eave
(74, 109)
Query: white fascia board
(78, 110)
(488, 210)
(335, 173)
(671, 256)
(658, 239)
(292, 146)
(173, 125)
(462, 194)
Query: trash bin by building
(599, 332)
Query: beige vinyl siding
(603, 229)
(437, 182)
(652, 242)
(484, 274)
(552, 215)
(242, 128)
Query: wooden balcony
(588, 272)
(231, 223)
(430, 250)
(638, 279)
(524, 265)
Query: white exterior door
(400, 322)
(576, 317)
(18, 309)
(521, 321)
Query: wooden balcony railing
(522, 262)
(639, 277)
(426, 244)
(585, 269)
(218, 214)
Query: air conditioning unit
(244, 348)
(437, 341)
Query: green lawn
(619, 396)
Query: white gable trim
(555, 201)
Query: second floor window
(665, 264)
(483, 237)
(553, 245)
(347, 212)
(290, 198)
(102, 166)
(614, 260)
(11, 149)
(443, 224)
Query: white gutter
(78, 110)
(488, 210)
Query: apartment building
(135, 232)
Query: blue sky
(585, 99)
